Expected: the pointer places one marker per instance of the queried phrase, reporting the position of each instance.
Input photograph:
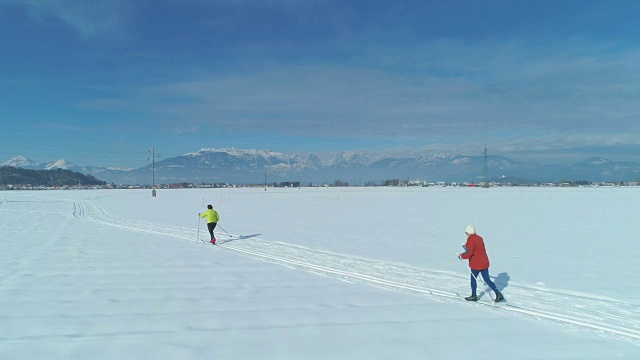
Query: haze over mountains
(249, 166)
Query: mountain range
(253, 166)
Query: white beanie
(470, 229)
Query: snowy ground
(318, 273)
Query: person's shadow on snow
(241, 237)
(502, 281)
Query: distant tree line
(392, 182)
(10, 175)
(576, 182)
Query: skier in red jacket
(478, 262)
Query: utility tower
(153, 176)
(485, 170)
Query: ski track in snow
(606, 316)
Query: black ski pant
(211, 226)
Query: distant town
(337, 183)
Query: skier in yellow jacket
(212, 220)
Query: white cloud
(371, 98)
(448, 93)
(96, 18)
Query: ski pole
(474, 276)
(198, 238)
(224, 230)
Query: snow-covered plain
(318, 273)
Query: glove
(198, 214)
(464, 246)
(459, 257)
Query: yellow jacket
(211, 215)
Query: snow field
(333, 273)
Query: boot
(213, 241)
(499, 297)
(471, 298)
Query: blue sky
(101, 82)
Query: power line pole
(485, 172)
(153, 176)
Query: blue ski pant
(485, 277)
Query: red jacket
(476, 253)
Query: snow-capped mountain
(594, 161)
(60, 164)
(231, 165)
(25, 163)
(21, 162)
(245, 159)
(355, 159)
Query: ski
(207, 241)
(481, 302)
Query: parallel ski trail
(608, 317)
